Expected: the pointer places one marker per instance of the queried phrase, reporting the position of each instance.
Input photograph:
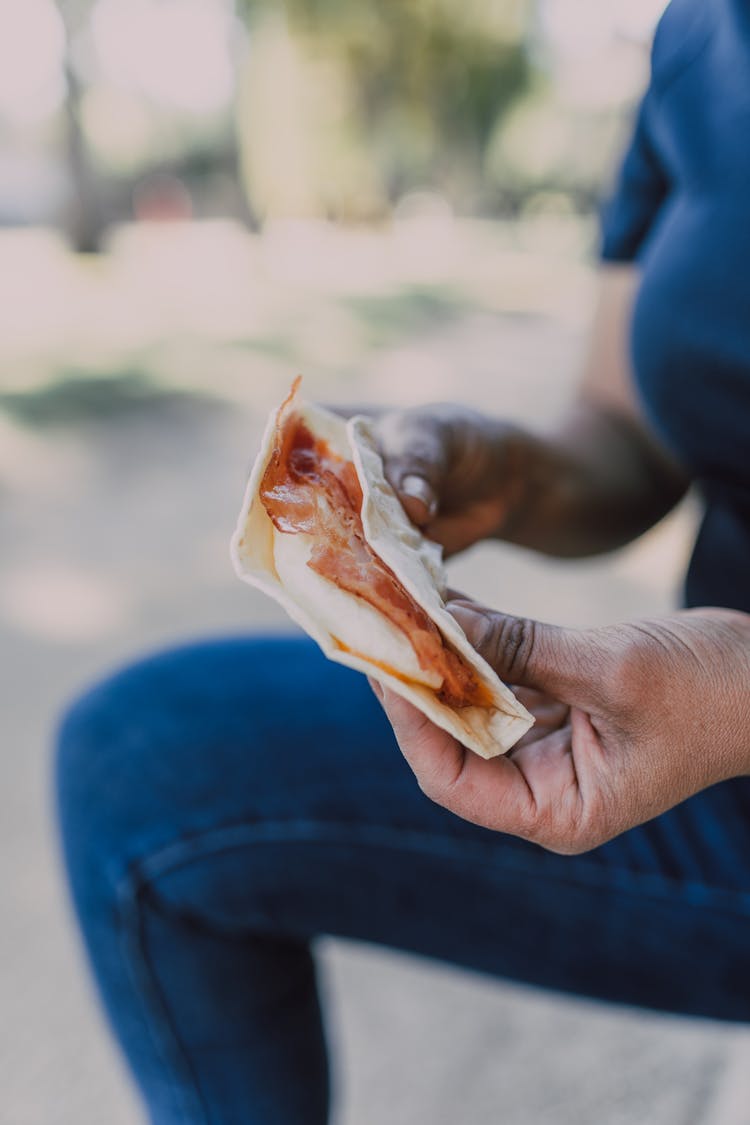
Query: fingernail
(420, 489)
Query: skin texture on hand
(631, 720)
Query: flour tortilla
(275, 562)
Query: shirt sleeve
(640, 189)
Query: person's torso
(691, 327)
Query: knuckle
(585, 828)
(432, 789)
(585, 840)
(447, 786)
(591, 821)
(411, 440)
(530, 825)
(508, 643)
(576, 842)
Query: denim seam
(229, 837)
(168, 1047)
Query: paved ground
(114, 532)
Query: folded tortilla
(303, 556)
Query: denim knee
(136, 759)
(107, 769)
(87, 786)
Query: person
(225, 803)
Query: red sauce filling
(308, 488)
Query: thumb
(413, 448)
(527, 653)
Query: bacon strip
(308, 488)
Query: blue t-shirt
(681, 210)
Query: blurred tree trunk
(85, 218)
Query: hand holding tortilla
(323, 533)
(625, 728)
(460, 475)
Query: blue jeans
(224, 804)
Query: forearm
(596, 482)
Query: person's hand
(631, 720)
(593, 482)
(459, 475)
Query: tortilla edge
(509, 722)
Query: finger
(546, 710)
(453, 595)
(490, 793)
(348, 410)
(529, 653)
(548, 768)
(415, 461)
(377, 690)
(433, 754)
(541, 728)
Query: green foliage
(429, 79)
(75, 396)
(413, 310)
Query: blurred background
(198, 199)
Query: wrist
(543, 490)
(720, 639)
(517, 472)
(739, 674)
